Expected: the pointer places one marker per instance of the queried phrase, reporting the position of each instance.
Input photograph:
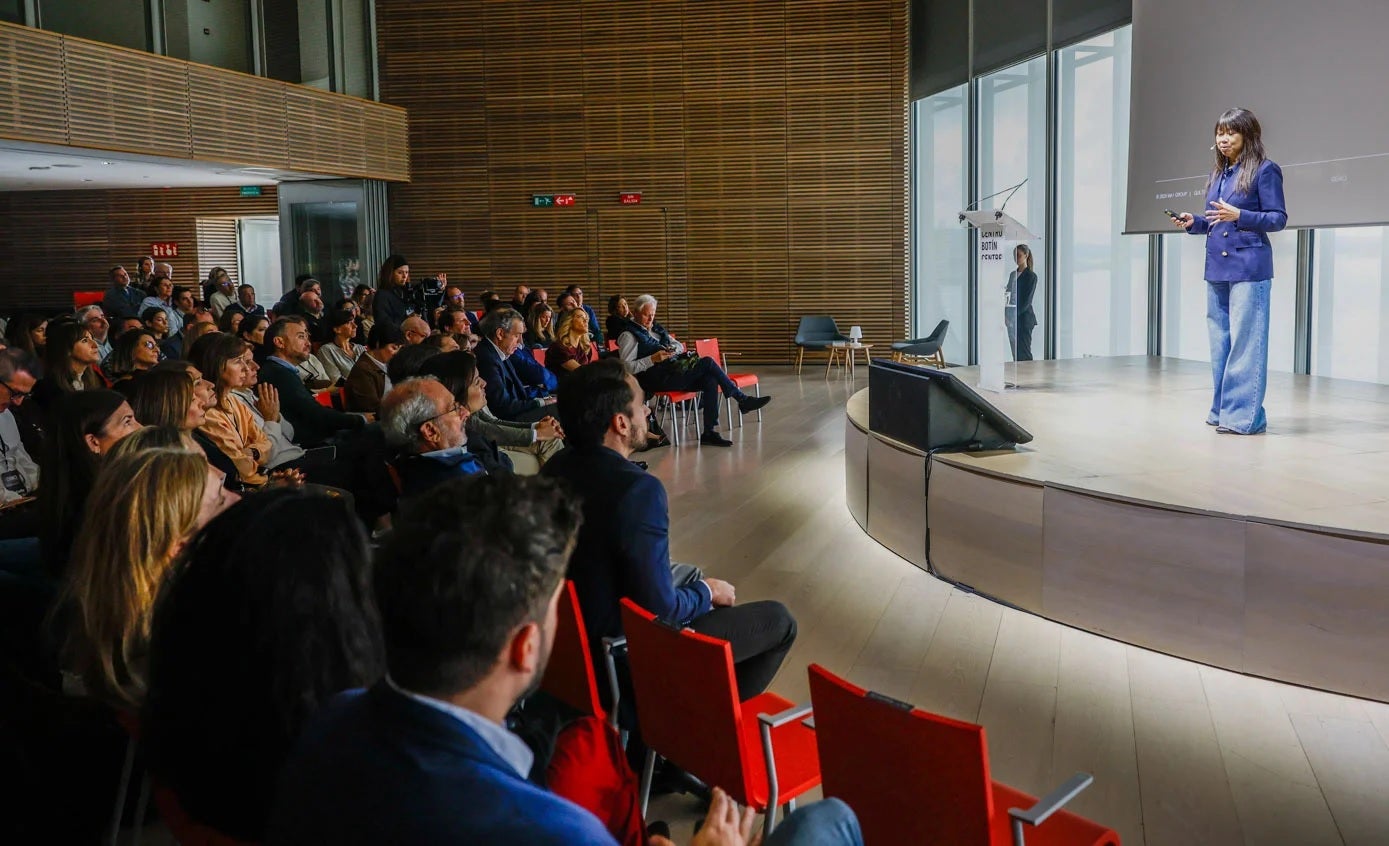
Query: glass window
(1012, 148)
(940, 244)
(122, 22)
(12, 11)
(211, 32)
(297, 41)
(1350, 301)
(1101, 276)
(1184, 299)
(354, 35)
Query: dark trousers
(706, 377)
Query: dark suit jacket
(420, 473)
(122, 302)
(1240, 251)
(366, 384)
(380, 768)
(624, 543)
(313, 423)
(506, 393)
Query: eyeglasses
(15, 393)
(453, 409)
(150, 345)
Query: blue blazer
(507, 396)
(1240, 251)
(624, 543)
(539, 381)
(377, 767)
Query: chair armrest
(1047, 805)
(611, 646)
(795, 712)
(769, 722)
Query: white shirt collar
(508, 746)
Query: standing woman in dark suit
(1244, 202)
(1018, 314)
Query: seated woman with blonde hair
(573, 346)
(145, 505)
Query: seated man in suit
(507, 395)
(287, 340)
(624, 546)
(423, 419)
(367, 381)
(660, 364)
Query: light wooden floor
(1181, 753)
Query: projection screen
(1313, 72)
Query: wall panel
(767, 140)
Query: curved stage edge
(1261, 594)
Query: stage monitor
(1311, 71)
(934, 411)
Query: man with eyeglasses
(507, 393)
(19, 438)
(422, 418)
(454, 298)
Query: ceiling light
(66, 165)
(38, 167)
(106, 163)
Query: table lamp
(855, 334)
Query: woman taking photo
(540, 326)
(86, 426)
(144, 507)
(133, 353)
(1244, 202)
(1018, 314)
(340, 351)
(573, 348)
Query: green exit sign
(250, 190)
(542, 200)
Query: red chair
(539, 356)
(612, 345)
(569, 677)
(914, 777)
(689, 713)
(710, 347)
(81, 299)
(683, 406)
(331, 398)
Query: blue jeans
(828, 822)
(1237, 316)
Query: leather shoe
(712, 438)
(747, 404)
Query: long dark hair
(69, 468)
(455, 371)
(160, 398)
(57, 355)
(1251, 156)
(249, 639)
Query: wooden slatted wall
(57, 242)
(217, 246)
(768, 140)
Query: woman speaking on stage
(1244, 202)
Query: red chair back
(910, 776)
(686, 698)
(570, 677)
(709, 347)
(86, 298)
(612, 345)
(324, 397)
(539, 356)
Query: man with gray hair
(660, 363)
(19, 438)
(507, 395)
(422, 418)
(94, 318)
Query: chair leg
(800, 356)
(647, 771)
(757, 391)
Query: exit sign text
(629, 198)
(164, 249)
(550, 200)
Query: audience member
(595, 330)
(252, 330)
(440, 342)
(566, 302)
(133, 352)
(245, 304)
(291, 302)
(161, 296)
(426, 423)
(286, 625)
(218, 291)
(287, 341)
(121, 299)
(624, 546)
(408, 362)
(27, 332)
(174, 395)
(390, 305)
(619, 313)
(179, 347)
(229, 423)
(339, 353)
(156, 322)
(507, 394)
(454, 298)
(490, 438)
(186, 306)
(163, 268)
(144, 505)
(70, 364)
(489, 301)
(457, 321)
(367, 381)
(573, 346)
(94, 318)
(660, 364)
(144, 272)
(415, 329)
(540, 327)
(19, 469)
(518, 298)
(230, 321)
(86, 426)
(121, 326)
(311, 309)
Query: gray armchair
(817, 332)
(928, 347)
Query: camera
(426, 295)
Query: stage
(1127, 516)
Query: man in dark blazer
(288, 340)
(624, 545)
(122, 299)
(423, 419)
(502, 330)
(424, 756)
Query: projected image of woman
(1018, 313)
(1244, 202)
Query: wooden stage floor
(1134, 427)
